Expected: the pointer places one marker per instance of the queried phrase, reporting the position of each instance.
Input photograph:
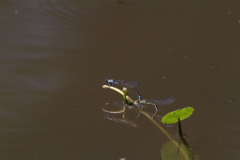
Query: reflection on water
(54, 55)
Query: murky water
(55, 55)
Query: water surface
(55, 55)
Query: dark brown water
(55, 55)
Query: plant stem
(130, 101)
(181, 134)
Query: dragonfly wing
(162, 101)
(129, 84)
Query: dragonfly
(141, 101)
(155, 102)
(127, 84)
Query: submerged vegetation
(170, 150)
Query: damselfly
(155, 102)
(127, 84)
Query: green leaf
(182, 114)
(171, 151)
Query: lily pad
(171, 151)
(181, 114)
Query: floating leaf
(171, 151)
(182, 114)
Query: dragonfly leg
(156, 108)
(137, 115)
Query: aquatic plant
(172, 117)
